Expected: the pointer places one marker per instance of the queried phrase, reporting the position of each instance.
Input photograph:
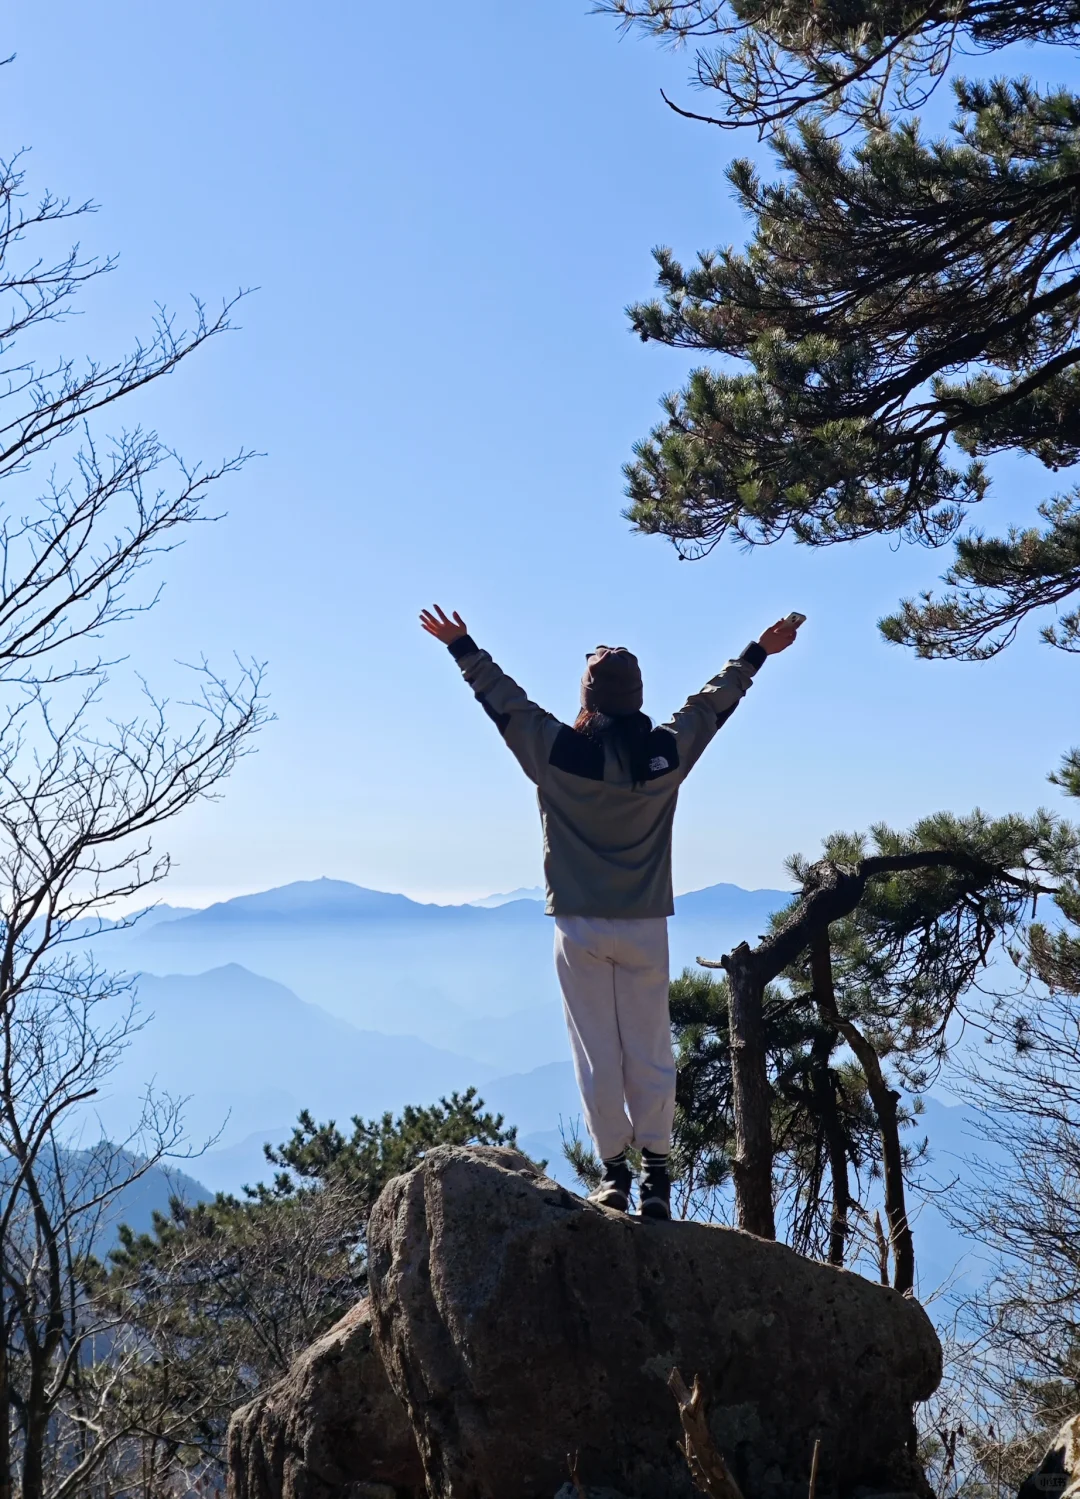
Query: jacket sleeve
(528, 730)
(708, 710)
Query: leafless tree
(75, 812)
(213, 1306)
(82, 791)
(1021, 1201)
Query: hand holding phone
(782, 634)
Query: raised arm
(528, 730)
(706, 711)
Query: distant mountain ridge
(323, 899)
(328, 996)
(531, 892)
(247, 1053)
(477, 981)
(339, 900)
(325, 995)
(87, 1172)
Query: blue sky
(445, 222)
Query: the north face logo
(658, 763)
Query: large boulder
(331, 1427)
(1058, 1475)
(519, 1324)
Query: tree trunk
(751, 1096)
(37, 1431)
(6, 1487)
(885, 1100)
(903, 1245)
(825, 1098)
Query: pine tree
(1052, 954)
(907, 306)
(824, 1130)
(888, 932)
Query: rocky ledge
(516, 1325)
(333, 1427)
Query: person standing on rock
(607, 787)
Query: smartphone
(795, 619)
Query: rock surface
(332, 1427)
(518, 1324)
(1058, 1475)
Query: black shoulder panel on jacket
(577, 754)
(663, 754)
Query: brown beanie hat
(612, 681)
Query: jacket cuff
(464, 645)
(754, 655)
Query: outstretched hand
(442, 626)
(778, 637)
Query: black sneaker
(654, 1189)
(614, 1188)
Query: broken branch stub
(707, 1467)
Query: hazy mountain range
(531, 892)
(327, 996)
(473, 979)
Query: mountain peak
(323, 898)
(531, 892)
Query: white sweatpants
(614, 979)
